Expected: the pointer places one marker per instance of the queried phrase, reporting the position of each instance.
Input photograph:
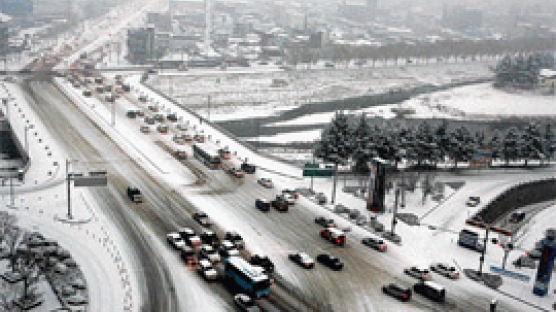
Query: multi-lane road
(357, 288)
(164, 286)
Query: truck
(470, 239)
(134, 194)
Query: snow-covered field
(473, 102)
(484, 101)
(240, 94)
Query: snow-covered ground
(40, 203)
(485, 101)
(448, 215)
(237, 94)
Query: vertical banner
(376, 187)
(546, 263)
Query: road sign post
(92, 179)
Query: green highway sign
(313, 170)
(311, 166)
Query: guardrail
(519, 195)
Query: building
(4, 36)
(141, 45)
(547, 78)
(161, 21)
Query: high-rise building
(141, 45)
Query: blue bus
(249, 278)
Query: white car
(228, 249)
(473, 201)
(289, 199)
(208, 252)
(265, 182)
(207, 271)
(302, 259)
(175, 240)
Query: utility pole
(312, 175)
(333, 200)
(482, 258)
(12, 194)
(69, 190)
(208, 107)
(395, 211)
(26, 140)
(113, 112)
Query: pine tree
(364, 149)
(548, 142)
(442, 139)
(510, 145)
(335, 145)
(495, 146)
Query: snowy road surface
(231, 205)
(165, 283)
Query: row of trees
(441, 50)
(356, 142)
(522, 70)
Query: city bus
(250, 279)
(207, 154)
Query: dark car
(374, 243)
(262, 205)
(445, 270)
(302, 259)
(245, 303)
(236, 173)
(188, 255)
(517, 216)
(248, 168)
(330, 261)
(235, 238)
(430, 290)
(280, 204)
(209, 238)
(397, 291)
(264, 262)
(189, 237)
(415, 272)
(202, 218)
(322, 221)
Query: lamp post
(26, 139)
(482, 258)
